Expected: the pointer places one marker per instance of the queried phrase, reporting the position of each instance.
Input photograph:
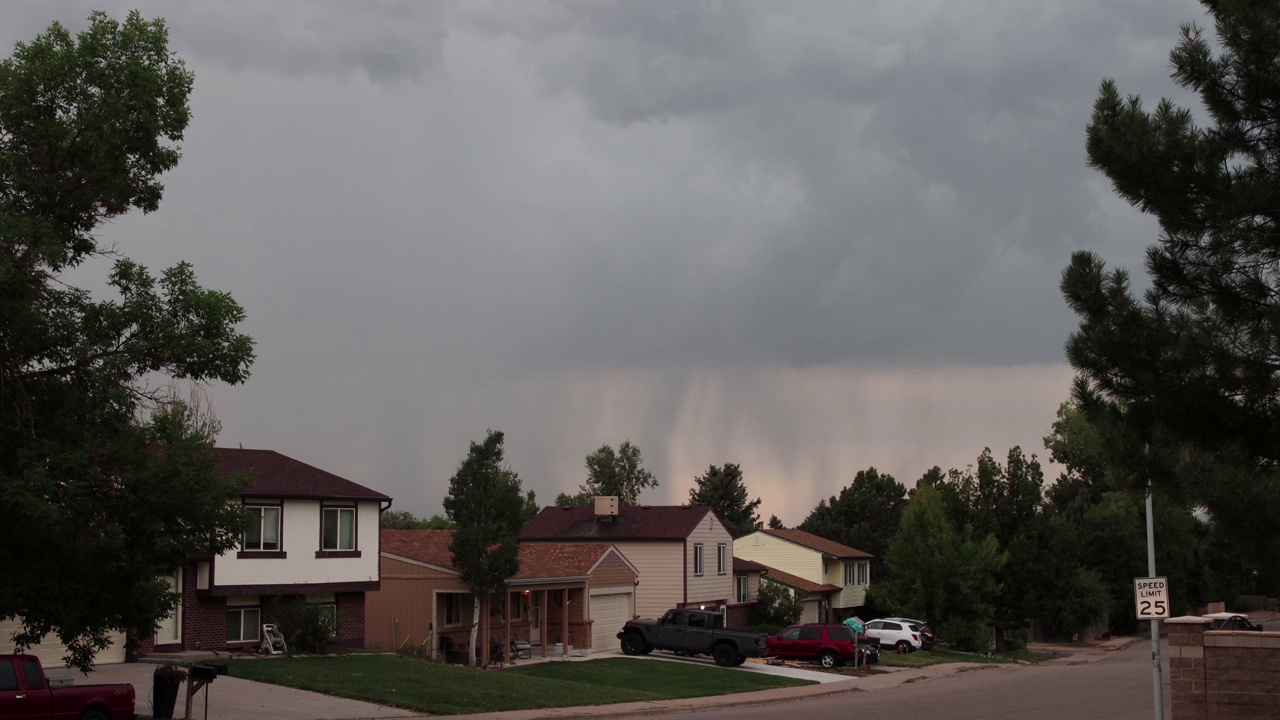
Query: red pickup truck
(26, 695)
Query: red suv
(830, 645)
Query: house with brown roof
(683, 553)
(581, 592)
(313, 539)
(828, 578)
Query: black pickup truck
(693, 631)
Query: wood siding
(661, 574)
(613, 577)
(782, 554)
(851, 595)
(712, 587)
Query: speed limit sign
(1152, 596)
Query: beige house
(682, 553)
(829, 579)
(582, 592)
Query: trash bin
(166, 682)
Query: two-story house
(683, 554)
(313, 538)
(828, 578)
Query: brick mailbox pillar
(1187, 689)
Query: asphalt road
(1118, 687)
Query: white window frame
(848, 573)
(257, 625)
(262, 529)
(722, 555)
(337, 515)
(517, 607)
(741, 585)
(697, 558)
(862, 573)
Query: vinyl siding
(300, 539)
(781, 554)
(612, 577)
(660, 567)
(402, 608)
(852, 595)
(710, 587)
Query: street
(1115, 687)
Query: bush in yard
(775, 605)
(967, 635)
(309, 628)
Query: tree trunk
(475, 626)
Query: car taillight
(915, 636)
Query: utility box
(606, 506)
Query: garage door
(608, 614)
(51, 651)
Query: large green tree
(618, 473)
(865, 515)
(1183, 383)
(405, 520)
(723, 489)
(106, 485)
(486, 501)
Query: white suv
(894, 634)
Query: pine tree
(1183, 385)
(723, 490)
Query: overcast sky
(805, 237)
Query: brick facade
(204, 619)
(1222, 674)
(739, 615)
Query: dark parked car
(693, 631)
(828, 645)
(1231, 621)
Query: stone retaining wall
(1222, 673)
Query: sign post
(1159, 605)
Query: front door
(169, 630)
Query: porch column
(506, 634)
(564, 627)
(432, 649)
(542, 630)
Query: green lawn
(938, 656)
(453, 690)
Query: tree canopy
(723, 489)
(405, 520)
(487, 504)
(106, 483)
(865, 515)
(619, 473)
(1182, 384)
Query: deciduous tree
(488, 505)
(100, 497)
(865, 515)
(621, 474)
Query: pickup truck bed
(25, 694)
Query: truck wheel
(633, 644)
(739, 660)
(94, 714)
(828, 659)
(724, 655)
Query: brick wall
(350, 619)
(1222, 674)
(739, 615)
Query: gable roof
(633, 522)
(276, 476)
(425, 546)
(820, 544)
(799, 583)
(742, 565)
(537, 562)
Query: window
(517, 605)
(8, 676)
(742, 588)
(35, 678)
(862, 573)
(848, 573)
(840, 632)
(338, 529)
(697, 621)
(722, 559)
(244, 624)
(264, 528)
(789, 634)
(697, 559)
(810, 633)
(451, 610)
(673, 617)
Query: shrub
(966, 635)
(775, 605)
(308, 627)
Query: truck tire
(739, 660)
(94, 714)
(724, 654)
(633, 644)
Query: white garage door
(51, 651)
(608, 614)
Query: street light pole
(1156, 675)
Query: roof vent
(606, 507)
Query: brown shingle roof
(798, 583)
(537, 562)
(641, 522)
(821, 544)
(741, 565)
(277, 476)
(427, 546)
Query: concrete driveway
(236, 699)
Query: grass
(939, 656)
(454, 690)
